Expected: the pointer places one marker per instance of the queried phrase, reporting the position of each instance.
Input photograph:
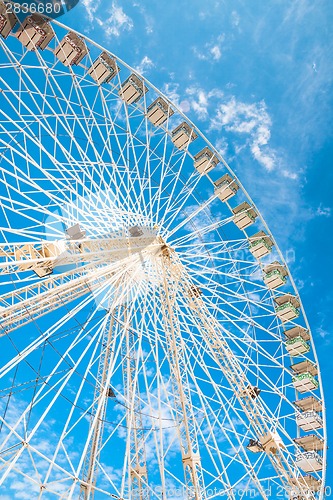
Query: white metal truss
(262, 424)
(147, 316)
(137, 465)
(180, 387)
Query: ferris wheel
(153, 342)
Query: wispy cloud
(324, 211)
(114, 21)
(235, 19)
(171, 90)
(244, 129)
(147, 16)
(298, 10)
(145, 64)
(251, 120)
(118, 21)
(212, 51)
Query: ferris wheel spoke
(274, 360)
(248, 361)
(281, 463)
(164, 166)
(64, 151)
(66, 378)
(93, 127)
(194, 213)
(132, 153)
(206, 404)
(28, 437)
(198, 233)
(28, 134)
(38, 208)
(113, 133)
(226, 406)
(168, 207)
(149, 353)
(14, 204)
(51, 294)
(36, 343)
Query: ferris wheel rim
(226, 166)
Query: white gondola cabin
(304, 376)
(159, 111)
(309, 403)
(35, 32)
(307, 416)
(298, 331)
(205, 161)
(225, 187)
(275, 275)
(183, 135)
(104, 69)
(307, 482)
(297, 340)
(244, 215)
(71, 49)
(309, 420)
(132, 89)
(305, 382)
(287, 307)
(297, 346)
(309, 461)
(260, 244)
(305, 367)
(8, 20)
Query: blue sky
(257, 78)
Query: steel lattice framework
(154, 343)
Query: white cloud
(145, 64)
(216, 52)
(289, 175)
(113, 21)
(323, 333)
(118, 21)
(148, 18)
(171, 90)
(235, 19)
(91, 7)
(222, 146)
(251, 119)
(324, 211)
(298, 10)
(212, 51)
(199, 101)
(276, 187)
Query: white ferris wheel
(153, 343)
